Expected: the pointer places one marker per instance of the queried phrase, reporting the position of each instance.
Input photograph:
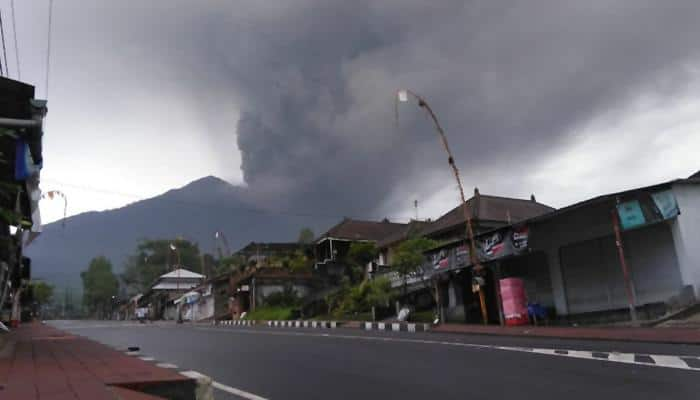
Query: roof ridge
(514, 198)
(372, 221)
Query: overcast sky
(566, 100)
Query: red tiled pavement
(132, 395)
(658, 335)
(49, 364)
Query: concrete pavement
(277, 363)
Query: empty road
(305, 363)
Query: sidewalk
(657, 335)
(40, 363)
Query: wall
(575, 226)
(593, 277)
(204, 308)
(221, 298)
(263, 290)
(533, 270)
(584, 266)
(686, 234)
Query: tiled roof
(489, 208)
(352, 229)
(182, 273)
(252, 247)
(412, 228)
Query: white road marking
(539, 351)
(669, 361)
(132, 353)
(580, 354)
(98, 326)
(147, 358)
(236, 392)
(666, 361)
(621, 357)
(166, 365)
(222, 387)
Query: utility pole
(629, 285)
(402, 96)
(177, 290)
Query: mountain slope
(194, 212)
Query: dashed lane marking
(684, 362)
(166, 365)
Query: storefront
(572, 264)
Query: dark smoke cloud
(311, 83)
(508, 80)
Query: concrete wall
(686, 234)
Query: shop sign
(631, 214)
(666, 204)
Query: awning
(188, 298)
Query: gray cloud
(508, 80)
(308, 85)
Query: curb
(281, 324)
(533, 334)
(204, 390)
(304, 324)
(396, 326)
(235, 322)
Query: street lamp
(402, 96)
(179, 267)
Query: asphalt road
(305, 363)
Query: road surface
(305, 363)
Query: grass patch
(271, 313)
(334, 317)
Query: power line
(48, 49)
(14, 31)
(4, 50)
(251, 210)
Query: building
(208, 301)
(570, 261)
(660, 229)
(388, 244)
(168, 288)
(487, 213)
(21, 135)
(270, 253)
(252, 288)
(332, 247)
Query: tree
(359, 255)
(154, 258)
(409, 257)
(306, 236)
(235, 262)
(379, 294)
(100, 287)
(300, 262)
(43, 292)
(365, 297)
